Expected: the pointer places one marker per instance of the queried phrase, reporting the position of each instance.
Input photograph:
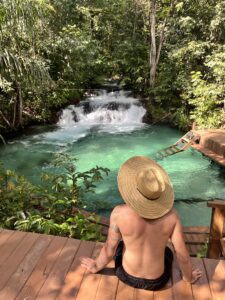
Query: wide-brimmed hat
(145, 187)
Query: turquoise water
(195, 178)
(106, 130)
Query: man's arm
(182, 254)
(109, 248)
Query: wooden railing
(216, 241)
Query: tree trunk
(155, 51)
(152, 53)
(19, 105)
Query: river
(105, 130)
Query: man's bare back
(145, 241)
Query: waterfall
(115, 111)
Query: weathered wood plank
(42, 269)
(166, 293)
(192, 247)
(75, 274)
(54, 283)
(201, 289)
(140, 294)
(195, 239)
(26, 267)
(108, 283)
(222, 243)
(216, 273)
(90, 282)
(11, 264)
(217, 203)
(4, 236)
(181, 290)
(196, 229)
(10, 240)
(216, 232)
(124, 291)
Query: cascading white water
(117, 109)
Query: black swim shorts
(142, 283)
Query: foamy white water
(121, 112)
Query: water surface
(106, 130)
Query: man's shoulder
(173, 215)
(119, 209)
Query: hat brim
(150, 209)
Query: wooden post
(216, 228)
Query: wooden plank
(11, 264)
(196, 229)
(11, 240)
(42, 269)
(216, 232)
(201, 289)
(75, 275)
(54, 283)
(108, 283)
(181, 290)
(216, 273)
(140, 294)
(195, 239)
(191, 246)
(222, 243)
(166, 293)
(4, 236)
(195, 243)
(90, 282)
(217, 203)
(124, 291)
(26, 267)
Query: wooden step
(186, 140)
(222, 243)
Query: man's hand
(89, 264)
(196, 274)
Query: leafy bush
(181, 119)
(51, 209)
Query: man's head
(145, 187)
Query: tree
(20, 62)
(155, 46)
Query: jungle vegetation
(169, 51)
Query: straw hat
(145, 187)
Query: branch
(162, 32)
(2, 138)
(6, 120)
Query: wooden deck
(212, 144)
(34, 266)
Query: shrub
(50, 209)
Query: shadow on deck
(34, 266)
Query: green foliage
(51, 209)
(181, 119)
(203, 251)
(208, 99)
(51, 51)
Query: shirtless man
(140, 229)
